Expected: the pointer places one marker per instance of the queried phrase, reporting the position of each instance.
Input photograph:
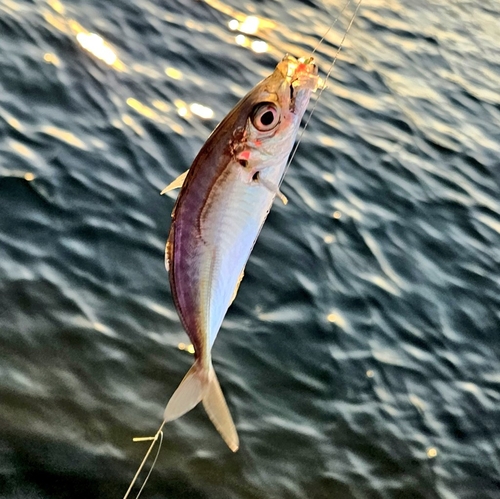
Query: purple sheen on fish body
(220, 210)
(223, 203)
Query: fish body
(224, 200)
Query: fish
(223, 202)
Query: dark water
(361, 357)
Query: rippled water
(361, 357)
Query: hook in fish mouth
(300, 74)
(297, 65)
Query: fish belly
(230, 225)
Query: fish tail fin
(188, 394)
(198, 385)
(218, 412)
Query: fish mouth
(294, 69)
(299, 74)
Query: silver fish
(224, 200)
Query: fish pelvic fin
(218, 412)
(198, 385)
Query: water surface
(361, 357)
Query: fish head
(259, 132)
(276, 105)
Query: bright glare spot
(182, 109)
(162, 106)
(177, 128)
(432, 452)
(57, 22)
(101, 328)
(57, 6)
(259, 46)
(250, 25)
(29, 176)
(178, 103)
(233, 24)
(332, 317)
(327, 141)
(241, 40)
(370, 373)
(173, 73)
(64, 135)
(186, 348)
(186, 110)
(141, 108)
(201, 111)
(130, 122)
(51, 59)
(329, 238)
(14, 123)
(96, 45)
(337, 214)
(336, 319)
(133, 102)
(21, 149)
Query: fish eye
(265, 116)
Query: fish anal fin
(235, 292)
(188, 394)
(176, 184)
(218, 412)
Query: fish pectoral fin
(187, 395)
(218, 412)
(235, 292)
(176, 184)
(274, 189)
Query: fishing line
(330, 69)
(333, 23)
(159, 434)
(152, 466)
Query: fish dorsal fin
(176, 184)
